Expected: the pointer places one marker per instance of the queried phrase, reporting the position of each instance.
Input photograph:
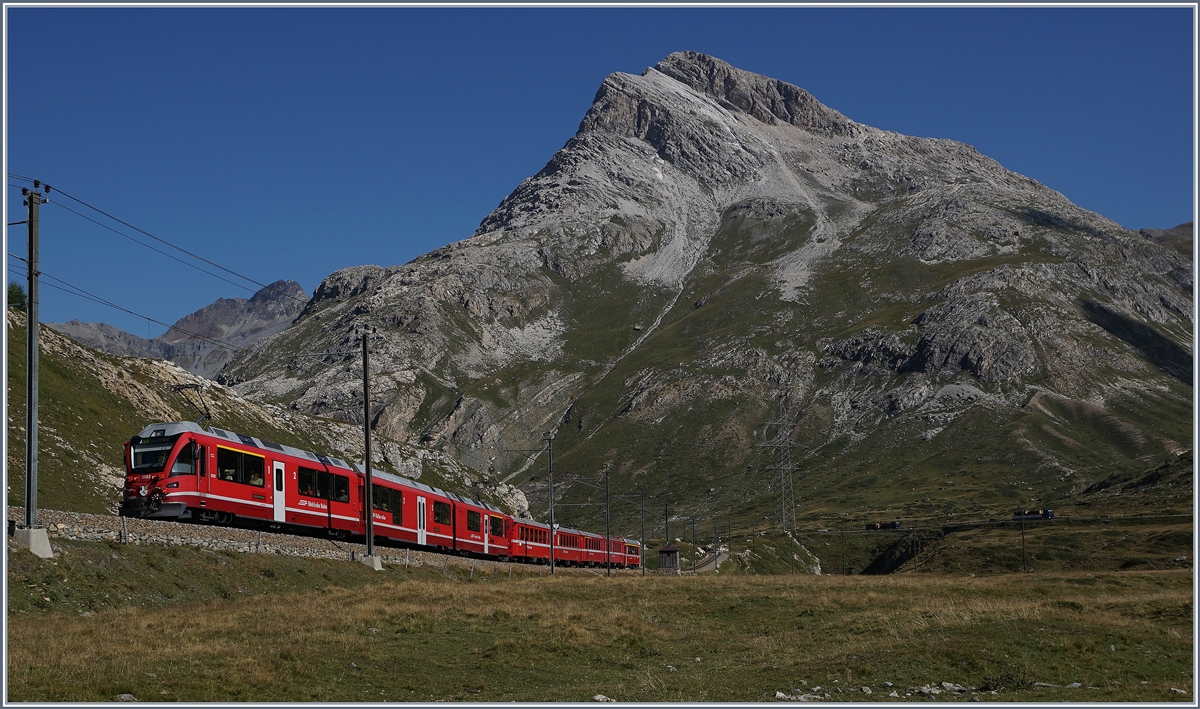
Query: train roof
(543, 525)
(531, 522)
(175, 428)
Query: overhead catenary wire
(81, 293)
(166, 243)
(148, 246)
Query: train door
(487, 528)
(420, 520)
(345, 498)
(277, 478)
(202, 456)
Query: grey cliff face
(234, 322)
(718, 242)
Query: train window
(185, 463)
(228, 464)
(307, 482)
(474, 521)
(239, 467)
(340, 488)
(151, 457)
(441, 512)
(253, 470)
(386, 499)
(497, 526)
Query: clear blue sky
(291, 142)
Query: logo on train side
(314, 505)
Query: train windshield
(151, 455)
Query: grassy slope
(74, 405)
(703, 452)
(77, 413)
(182, 624)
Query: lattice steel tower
(784, 467)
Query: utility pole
(550, 474)
(607, 530)
(371, 559)
(843, 551)
(32, 536)
(694, 572)
(729, 537)
(1023, 568)
(642, 490)
(916, 551)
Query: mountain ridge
(714, 250)
(204, 341)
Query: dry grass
(418, 636)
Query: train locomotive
(182, 472)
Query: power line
(148, 246)
(81, 293)
(167, 243)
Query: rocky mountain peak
(768, 100)
(283, 292)
(713, 244)
(240, 320)
(232, 322)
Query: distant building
(668, 559)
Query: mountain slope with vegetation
(91, 402)
(714, 251)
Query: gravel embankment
(88, 527)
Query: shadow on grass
(1160, 351)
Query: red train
(883, 525)
(180, 471)
(1033, 514)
